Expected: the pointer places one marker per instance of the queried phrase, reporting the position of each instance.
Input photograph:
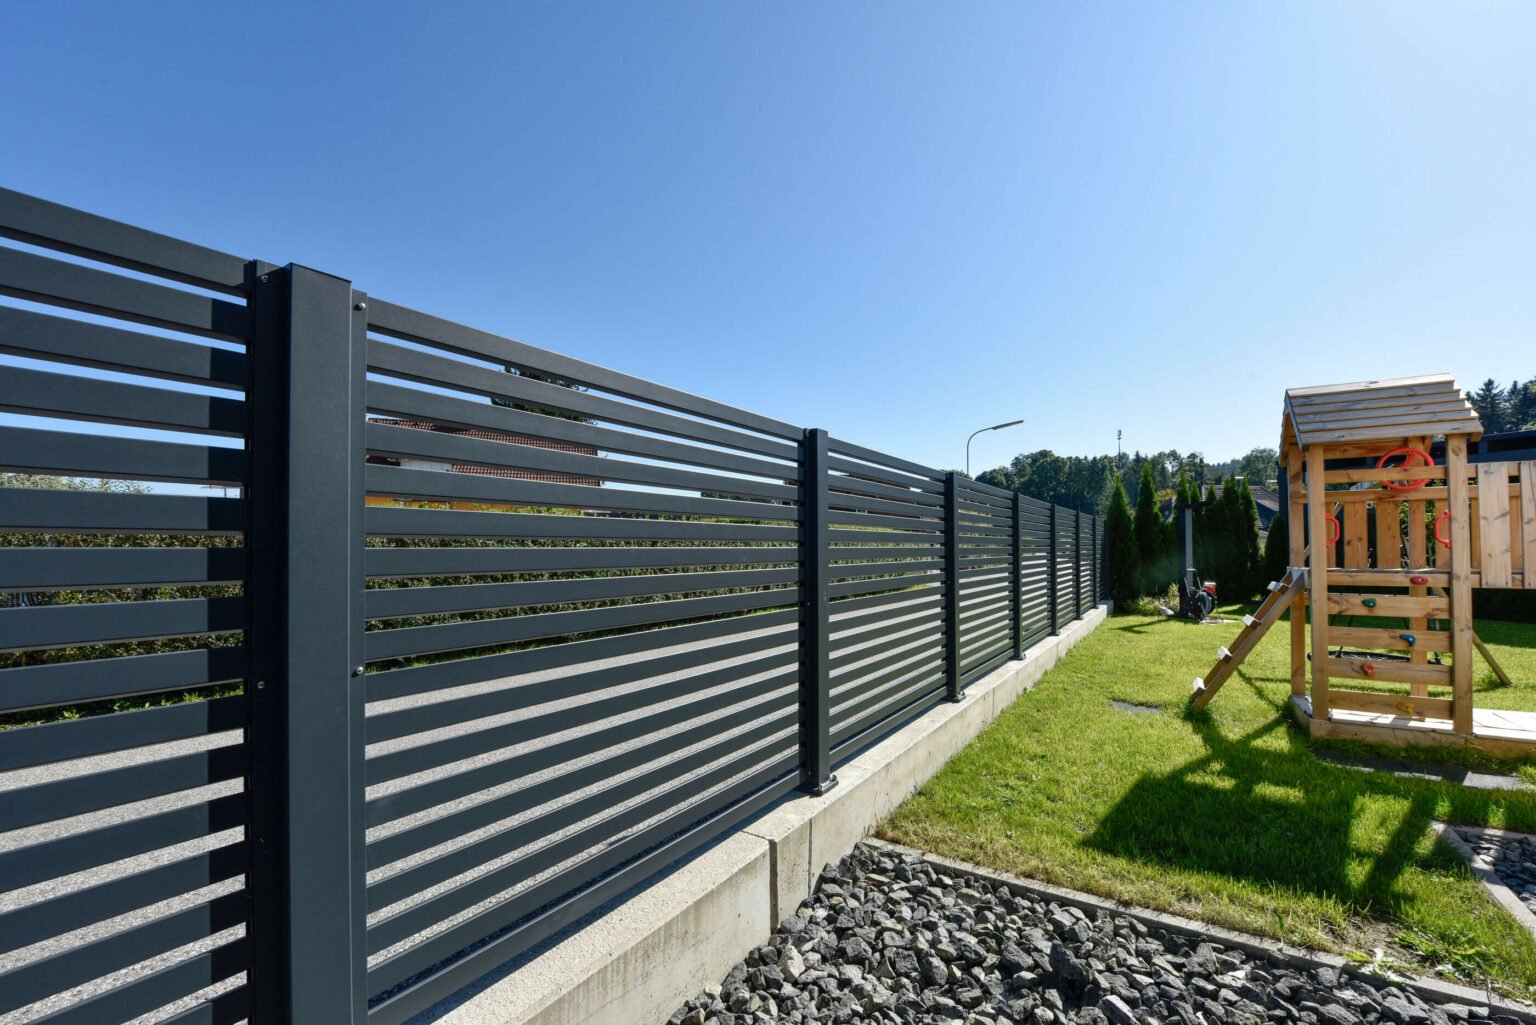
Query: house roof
(1380, 410)
(508, 437)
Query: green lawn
(1228, 816)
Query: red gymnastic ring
(1443, 516)
(1429, 460)
(1336, 532)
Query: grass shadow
(1275, 815)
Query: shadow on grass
(1275, 815)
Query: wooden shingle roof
(1380, 410)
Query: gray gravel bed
(886, 938)
(1513, 857)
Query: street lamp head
(994, 427)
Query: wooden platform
(1495, 732)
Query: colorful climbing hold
(1368, 668)
(1417, 580)
(1410, 639)
(1369, 603)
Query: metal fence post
(1077, 563)
(1053, 581)
(305, 588)
(1093, 560)
(1018, 575)
(952, 585)
(815, 619)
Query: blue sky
(896, 221)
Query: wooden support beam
(1391, 639)
(1493, 524)
(1460, 507)
(1418, 555)
(1296, 524)
(1390, 671)
(1389, 577)
(1392, 704)
(1528, 519)
(1357, 553)
(1402, 605)
(1317, 582)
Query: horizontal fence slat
(414, 403)
(25, 746)
(50, 859)
(73, 626)
(424, 329)
(437, 792)
(70, 683)
(53, 569)
(618, 869)
(399, 442)
(396, 602)
(68, 454)
(72, 397)
(145, 993)
(439, 485)
(83, 963)
(403, 522)
(127, 784)
(406, 923)
(438, 371)
(75, 909)
(550, 821)
(437, 753)
(54, 511)
(459, 672)
(76, 342)
(55, 226)
(387, 563)
(419, 640)
(41, 279)
(421, 718)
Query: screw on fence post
(305, 402)
(1052, 581)
(815, 618)
(952, 585)
(1018, 575)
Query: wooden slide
(1280, 597)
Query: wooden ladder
(1281, 595)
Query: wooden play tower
(1387, 543)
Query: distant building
(1264, 498)
(507, 472)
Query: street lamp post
(994, 427)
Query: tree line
(1143, 546)
(1506, 409)
(1086, 483)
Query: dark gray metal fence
(483, 637)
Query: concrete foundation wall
(639, 961)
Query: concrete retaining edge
(663, 944)
(1259, 946)
(1483, 869)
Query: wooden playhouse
(1391, 529)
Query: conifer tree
(1251, 558)
(1120, 548)
(1277, 548)
(1149, 533)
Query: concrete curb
(663, 944)
(1260, 946)
(1485, 873)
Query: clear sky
(899, 222)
